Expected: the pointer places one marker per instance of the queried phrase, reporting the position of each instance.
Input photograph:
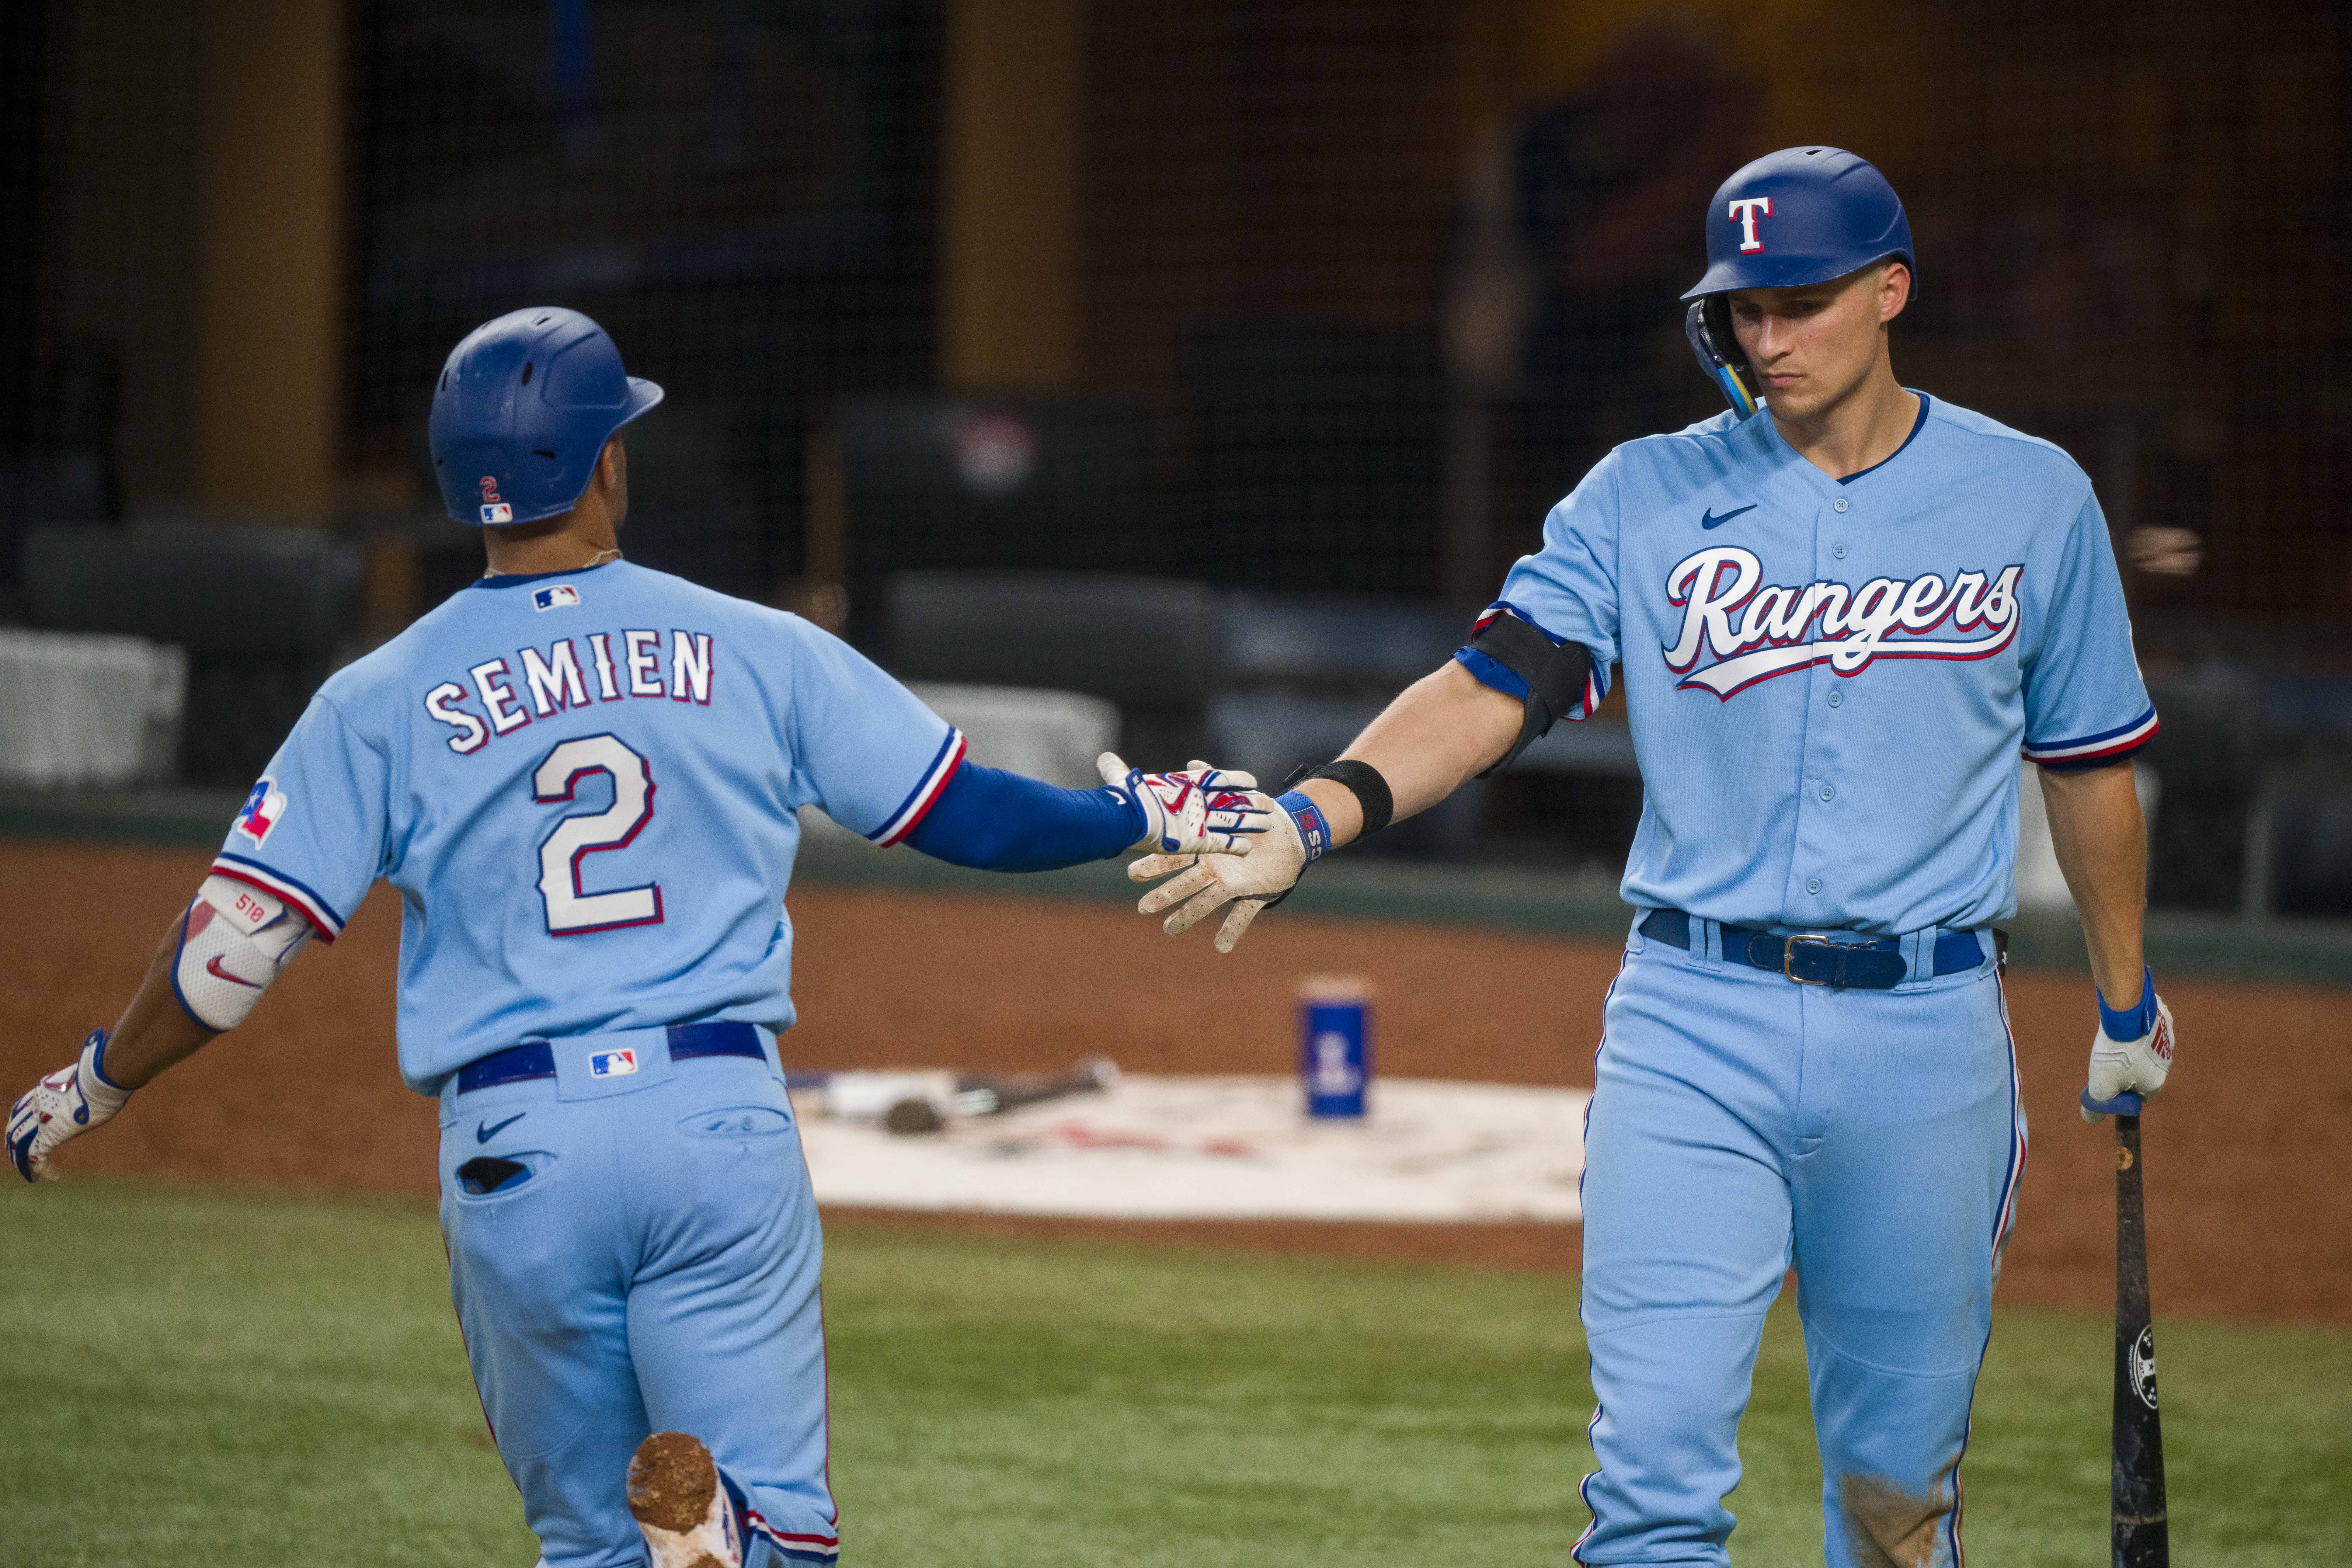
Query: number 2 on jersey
(571, 910)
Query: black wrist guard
(1556, 674)
(1364, 782)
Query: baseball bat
(2137, 1513)
(991, 1095)
(995, 1096)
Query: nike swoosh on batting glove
(1203, 810)
(65, 1104)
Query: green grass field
(251, 1380)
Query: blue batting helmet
(1805, 215)
(522, 411)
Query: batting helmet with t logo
(1797, 217)
(522, 411)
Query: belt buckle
(1788, 953)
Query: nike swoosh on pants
(484, 1132)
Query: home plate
(1225, 1148)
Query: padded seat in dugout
(262, 612)
(2209, 755)
(1333, 642)
(1145, 644)
(2311, 826)
(1304, 673)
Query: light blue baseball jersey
(584, 785)
(1830, 681)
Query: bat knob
(2124, 1104)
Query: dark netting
(1346, 294)
(742, 194)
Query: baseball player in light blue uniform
(1838, 627)
(582, 776)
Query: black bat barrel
(2140, 1540)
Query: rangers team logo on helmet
(1745, 211)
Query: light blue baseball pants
(655, 1270)
(1740, 1124)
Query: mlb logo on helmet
(493, 509)
(612, 1064)
(262, 810)
(554, 598)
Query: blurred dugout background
(1282, 323)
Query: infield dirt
(2249, 1155)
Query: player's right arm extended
(1441, 731)
(217, 958)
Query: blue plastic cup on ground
(1335, 1046)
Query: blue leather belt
(1871, 964)
(536, 1058)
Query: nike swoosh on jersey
(1711, 521)
(484, 1132)
(212, 967)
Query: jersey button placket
(1823, 752)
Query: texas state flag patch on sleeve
(262, 811)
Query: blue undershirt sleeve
(997, 821)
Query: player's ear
(1894, 291)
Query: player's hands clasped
(1206, 883)
(65, 1104)
(1201, 810)
(2136, 1067)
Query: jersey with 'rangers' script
(584, 784)
(1830, 681)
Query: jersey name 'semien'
(584, 788)
(532, 681)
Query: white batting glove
(1206, 883)
(2127, 1067)
(65, 1104)
(1201, 810)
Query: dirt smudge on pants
(1888, 1527)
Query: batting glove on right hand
(1209, 882)
(65, 1104)
(2138, 1066)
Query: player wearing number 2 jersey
(582, 777)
